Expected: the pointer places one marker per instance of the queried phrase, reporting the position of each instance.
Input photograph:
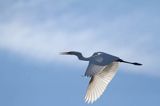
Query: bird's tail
(134, 63)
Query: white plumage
(100, 81)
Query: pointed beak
(65, 53)
(139, 64)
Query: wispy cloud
(41, 30)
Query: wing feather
(100, 81)
(92, 69)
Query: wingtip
(89, 101)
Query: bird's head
(78, 54)
(70, 53)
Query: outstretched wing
(100, 81)
(92, 69)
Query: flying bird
(101, 69)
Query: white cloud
(44, 40)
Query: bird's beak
(65, 53)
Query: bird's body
(102, 68)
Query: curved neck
(81, 57)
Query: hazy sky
(33, 32)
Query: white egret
(102, 68)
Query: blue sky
(32, 33)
